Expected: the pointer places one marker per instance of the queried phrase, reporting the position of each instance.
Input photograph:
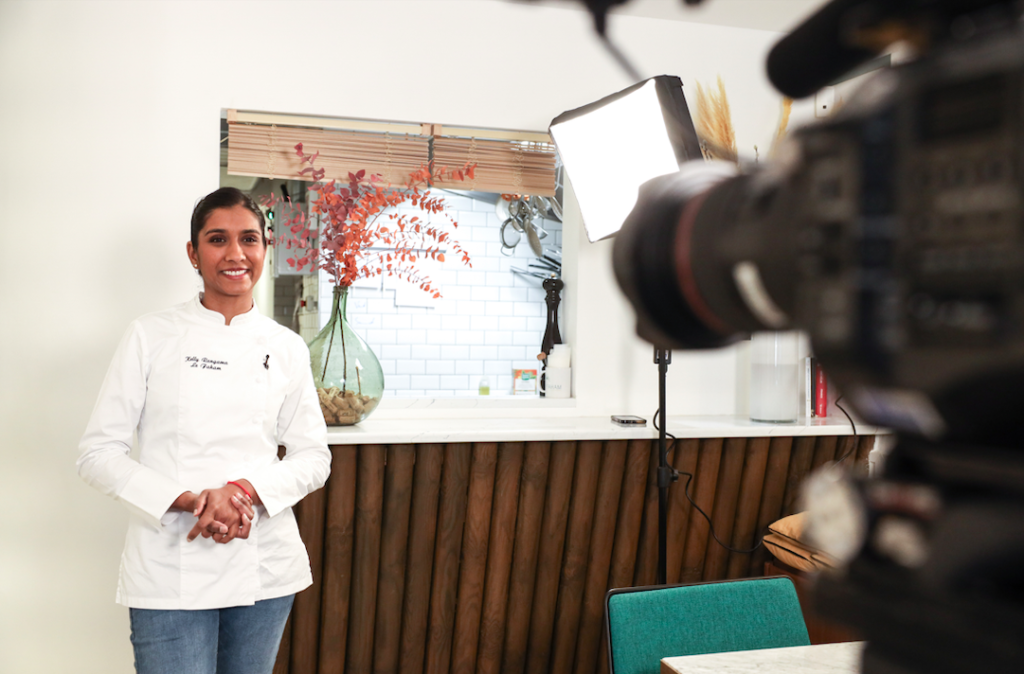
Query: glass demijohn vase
(347, 374)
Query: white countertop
(821, 659)
(520, 429)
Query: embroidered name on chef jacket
(203, 363)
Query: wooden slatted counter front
(434, 553)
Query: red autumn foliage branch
(359, 216)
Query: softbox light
(612, 146)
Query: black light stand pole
(666, 474)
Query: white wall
(109, 128)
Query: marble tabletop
(385, 430)
(841, 658)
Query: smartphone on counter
(628, 420)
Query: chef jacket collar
(210, 316)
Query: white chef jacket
(210, 403)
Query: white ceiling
(774, 15)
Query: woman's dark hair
(225, 197)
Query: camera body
(893, 233)
(910, 235)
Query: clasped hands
(224, 514)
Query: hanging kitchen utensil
(517, 270)
(501, 208)
(545, 270)
(556, 201)
(510, 236)
(542, 264)
(531, 236)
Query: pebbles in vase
(342, 408)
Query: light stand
(666, 473)
(639, 133)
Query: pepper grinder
(552, 336)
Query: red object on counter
(820, 391)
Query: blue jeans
(237, 640)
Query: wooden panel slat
(499, 557)
(338, 545)
(647, 548)
(679, 506)
(577, 548)
(549, 558)
(474, 557)
(630, 515)
(724, 516)
(283, 662)
(799, 465)
(748, 506)
(366, 558)
(703, 494)
(306, 609)
(771, 496)
(864, 446)
(846, 451)
(444, 586)
(824, 451)
(627, 526)
(609, 487)
(524, 561)
(422, 534)
(398, 477)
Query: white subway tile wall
(488, 321)
(309, 324)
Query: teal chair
(646, 624)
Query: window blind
(269, 151)
(505, 166)
(509, 162)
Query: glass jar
(774, 377)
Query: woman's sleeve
(302, 431)
(104, 460)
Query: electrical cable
(686, 492)
(689, 479)
(852, 425)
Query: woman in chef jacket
(213, 556)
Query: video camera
(893, 234)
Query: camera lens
(679, 253)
